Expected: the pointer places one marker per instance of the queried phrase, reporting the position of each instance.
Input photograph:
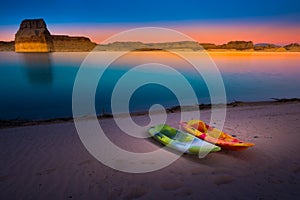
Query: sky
(217, 21)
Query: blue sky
(139, 11)
(217, 21)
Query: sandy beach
(48, 161)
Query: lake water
(39, 86)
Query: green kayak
(180, 140)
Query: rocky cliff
(71, 44)
(209, 45)
(292, 47)
(33, 36)
(7, 46)
(238, 45)
(265, 47)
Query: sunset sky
(218, 22)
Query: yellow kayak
(213, 135)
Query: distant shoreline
(19, 123)
(81, 44)
(173, 50)
(33, 36)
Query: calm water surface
(39, 86)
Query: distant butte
(33, 36)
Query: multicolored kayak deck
(213, 135)
(180, 140)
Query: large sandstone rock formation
(33, 36)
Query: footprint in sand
(171, 185)
(223, 179)
(45, 172)
(136, 192)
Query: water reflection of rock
(38, 68)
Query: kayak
(213, 135)
(180, 140)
